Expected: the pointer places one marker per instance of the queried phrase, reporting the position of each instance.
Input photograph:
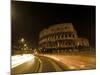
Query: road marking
(41, 65)
(37, 66)
(55, 65)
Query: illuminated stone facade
(61, 38)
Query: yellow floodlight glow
(22, 39)
(25, 45)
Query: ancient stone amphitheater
(61, 38)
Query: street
(53, 63)
(38, 64)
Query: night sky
(29, 18)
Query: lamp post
(23, 45)
(22, 40)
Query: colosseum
(61, 38)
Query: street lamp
(25, 45)
(22, 40)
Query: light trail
(20, 59)
(75, 62)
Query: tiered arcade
(61, 38)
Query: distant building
(61, 38)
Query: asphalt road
(43, 63)
(37, 65)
